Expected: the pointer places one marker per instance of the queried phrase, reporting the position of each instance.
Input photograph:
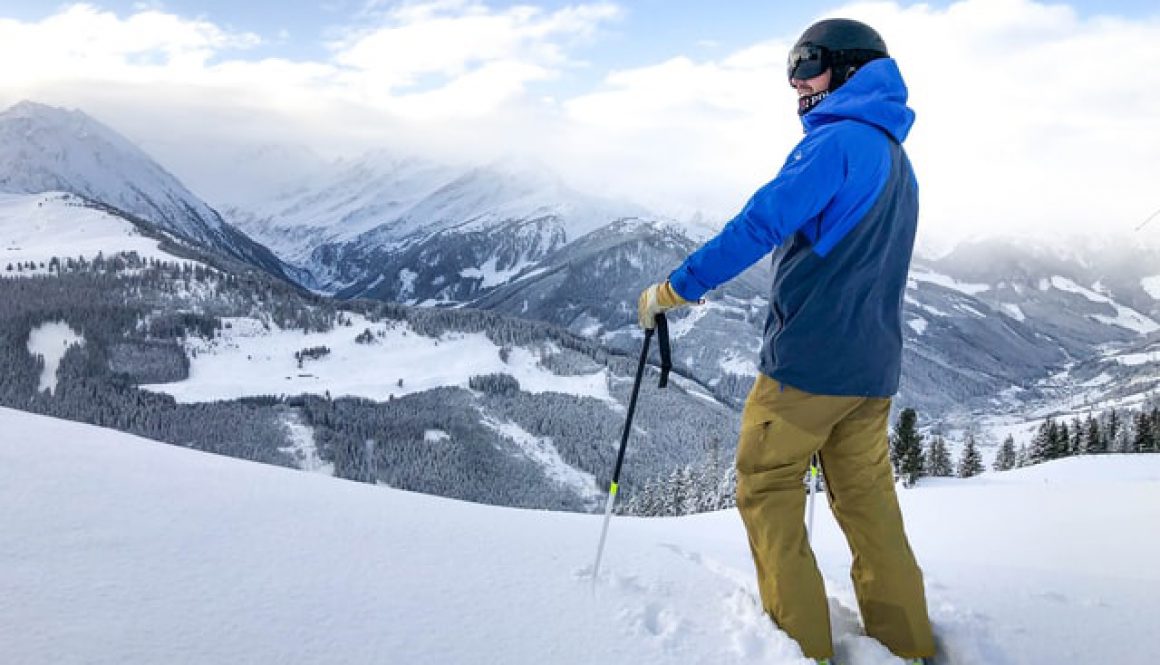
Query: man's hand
(654, 300)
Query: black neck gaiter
(805, 104)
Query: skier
(842, 215)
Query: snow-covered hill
(49, 149)
(250, 357)
(121, 550)
(37, 228)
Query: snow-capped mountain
(48, 149)
(988, 325)
(411, 230)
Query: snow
(963, 307)
(435, 436)
(407, 278)
(1125, 317)
(736, 363)
(543, 452)
(303, 448)
(1102, 379)
(247, 359)
(380, 200)
(926, 308)
(38, 227)
(948, 282)
(489, 275)
(683, 324)
(52, 341)
(1152, 286)
(122, 550)
(1136, 359)
(44, 149)
(917, 325)
(1013, 311)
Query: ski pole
(662, 328)
(813, 490)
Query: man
(842, 214)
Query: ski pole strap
(666, 351)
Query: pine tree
(938, 459)
(906, 448)
(1006, 459)
(1022, 456)
(1075, 443)
(971, 463)
(1093, 441)
(1063, 442)
(1112, 431)
(1145, 439)
(1042, 445)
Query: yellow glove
(654, 300)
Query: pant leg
(887, 579)
(781, 428)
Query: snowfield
(51, 341)
(248, 359)
(38, 227)
(121, 550)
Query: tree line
(1121, 431)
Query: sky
(1033, 118)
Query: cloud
(1030, 116)
(459, 58)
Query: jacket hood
(875, 95)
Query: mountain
(409, 230)
(990, 326)
(1088, 300)
(48, 149)
(123, 550)
(117, 330)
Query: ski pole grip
(666, 351)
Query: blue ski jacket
(842, 214)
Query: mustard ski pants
(781, 429)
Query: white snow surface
(1125, 317)
(489, 275)
(948, 282)
(38, 227)
(1013, 311)
(247, 359)
(122, 550)
(918, 325)
(1152, 286)
(52, 341)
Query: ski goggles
(806, 62)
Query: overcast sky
(1032, 118)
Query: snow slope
(38, 227)
(247, 359)
(121, 550)
(44, 149)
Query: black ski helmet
(840, 44)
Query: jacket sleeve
(807, 182)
